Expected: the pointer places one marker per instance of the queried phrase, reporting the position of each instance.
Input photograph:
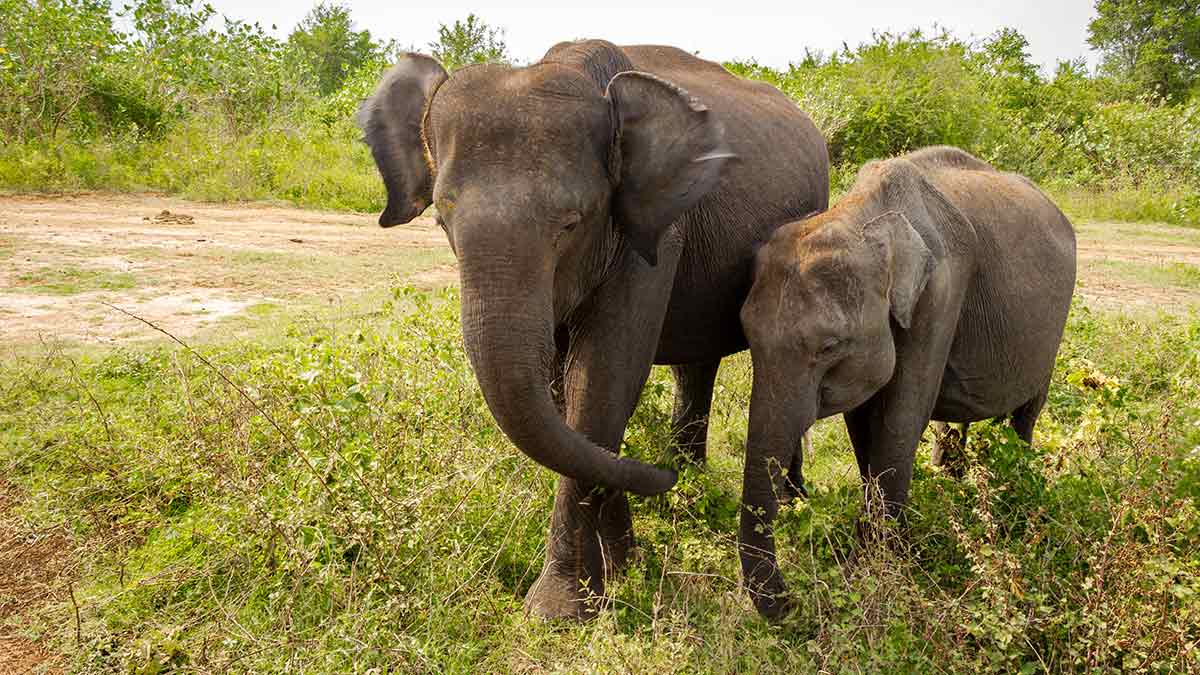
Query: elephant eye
(571, 221)
(830, 344)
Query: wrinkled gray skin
(604, 205)
(938, 288)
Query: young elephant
(938, 288)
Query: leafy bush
(900, 92)
(49, 50)
(466, 42)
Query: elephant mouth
(393, 216)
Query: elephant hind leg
(693, 399)
(1025, 417)
(949, 447)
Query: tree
(327, 42)
(467, 42)
(48, 53)
(1153, 43)
(1008, 70)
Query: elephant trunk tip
(651, 480)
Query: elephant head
(828, 290)
(542, 176)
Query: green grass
(360, 510)
(1153, 202)
(307, 166)
(72, 281)
(1164, 275)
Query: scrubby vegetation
(1074, 132)
(340, 501)
(194, 104)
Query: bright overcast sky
(774, 33)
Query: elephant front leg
(613, 339)
(886, 430)
(590, 537)
(693, 399)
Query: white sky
(774, 33)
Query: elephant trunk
(508, 328)
(779, 417)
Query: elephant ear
(909, 259)
(391, 120)
(667, 154)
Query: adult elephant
(604, 205)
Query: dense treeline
(168, 95)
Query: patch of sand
(194, 264)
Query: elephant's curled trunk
(508, 328)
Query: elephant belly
(971, 395)
(1011, 320)
(701, 326)
(997, 364)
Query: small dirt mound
(167, 217)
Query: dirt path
(1138, 266)
(195, 267)
(190, 265)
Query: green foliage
(467, 42)
(326, 168)
(901, 92)
(911, 92)
(1154, 44)
(345, 501)
(49, 50)
(327, 41)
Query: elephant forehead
(523, 111)
(818, 281)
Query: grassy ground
(333, 496)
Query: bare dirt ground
(190, 266)
(1138, 266)
(35, 568)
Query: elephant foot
(556, 596)
(949, 449)
(689, 455)
(590, 540)
(774, 608)
(773, 602)
(792, 490)
(690, 445)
